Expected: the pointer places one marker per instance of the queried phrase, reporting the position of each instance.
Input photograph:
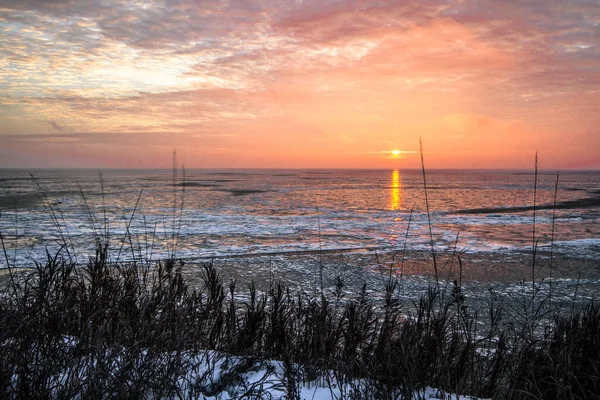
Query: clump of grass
(134, 329)
(564, 363)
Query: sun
(396, 153)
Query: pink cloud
(301, 78)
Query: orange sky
(310, 84)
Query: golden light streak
(395, 191)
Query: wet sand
(482, 270)
(481, 267)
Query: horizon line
(284, 168)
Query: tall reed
(435, 268)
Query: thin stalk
(435, 270)
(381, 267)
(552, 232)
(577, 287)
(320, 251)
(55, 219)
(452, 256)
(16, 246)
(106, 228)
(152, 242)
(534, 242)
(405, 245)
(460, 271)
(10, 271)
(181, 205)
(91, 216)
(127, 231)
(174, 182)
(145, 238)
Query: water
(222, 213)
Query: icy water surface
(223, 213)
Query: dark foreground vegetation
(131, 330)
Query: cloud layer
(299, 83)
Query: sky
(299, 83)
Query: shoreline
(504, 274)
(480, 272)
(482, 266)
(513, 266)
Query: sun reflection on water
(395, 191)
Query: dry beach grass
(104, 330)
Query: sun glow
(297, 84)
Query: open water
(222, 213)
